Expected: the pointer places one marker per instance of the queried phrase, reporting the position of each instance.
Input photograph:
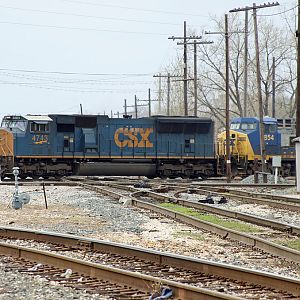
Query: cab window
(248, 126)
(34, 127)
(272, 128)
(235, 126)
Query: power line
(81, 28)
(58, 88)
(86, 16)
(74, 81)
(136, 9)
(75, 73)
(280, 13)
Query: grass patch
(293, 244)
(191, 235)
(235, 225)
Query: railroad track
(155, 194)
(127, 272)
(282, 202)
(264, 196)
(284, 227)
(260, 243)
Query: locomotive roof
(38, 118)
(267, 120)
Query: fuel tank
(115, 169)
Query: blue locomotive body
(99, 145)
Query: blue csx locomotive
(245, 145)
(58, 145)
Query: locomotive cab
(245, 143)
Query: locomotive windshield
(14, 123)
(243, 126)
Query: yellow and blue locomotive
(245, 145)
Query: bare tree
(275, 41)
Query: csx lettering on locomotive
(133, 137)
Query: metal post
(276, 175)
(16, 203)
(195, 80)
(228, 156)
(16, 173)
(259, 94)
(246, 64)
(45, 197)
(273, 88)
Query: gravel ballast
(81, 212)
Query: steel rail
(259, 243)
(233, 214)
(247, 239)
(264, 196)
(264, 279)
(121, 277)
(40, 183)
(220, 211)
(248, 198)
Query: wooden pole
(228, 156)
(259, 94)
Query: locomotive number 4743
(39, 139)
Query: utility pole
(80, 108)
(135, 107)
(227, 98)
(258, 78)
(159, 94)
(149, 100)
(111, 114)
(195, 43)
(168, 76)
(195, 80)
(273, 88)
(228, 156)
(168, 95)
(298, 76)
(246, 64)
(185, 83)
(259, 93)
(185, 70)
(125, 106)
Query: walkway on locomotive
(81, 136)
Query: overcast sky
(114, 47)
